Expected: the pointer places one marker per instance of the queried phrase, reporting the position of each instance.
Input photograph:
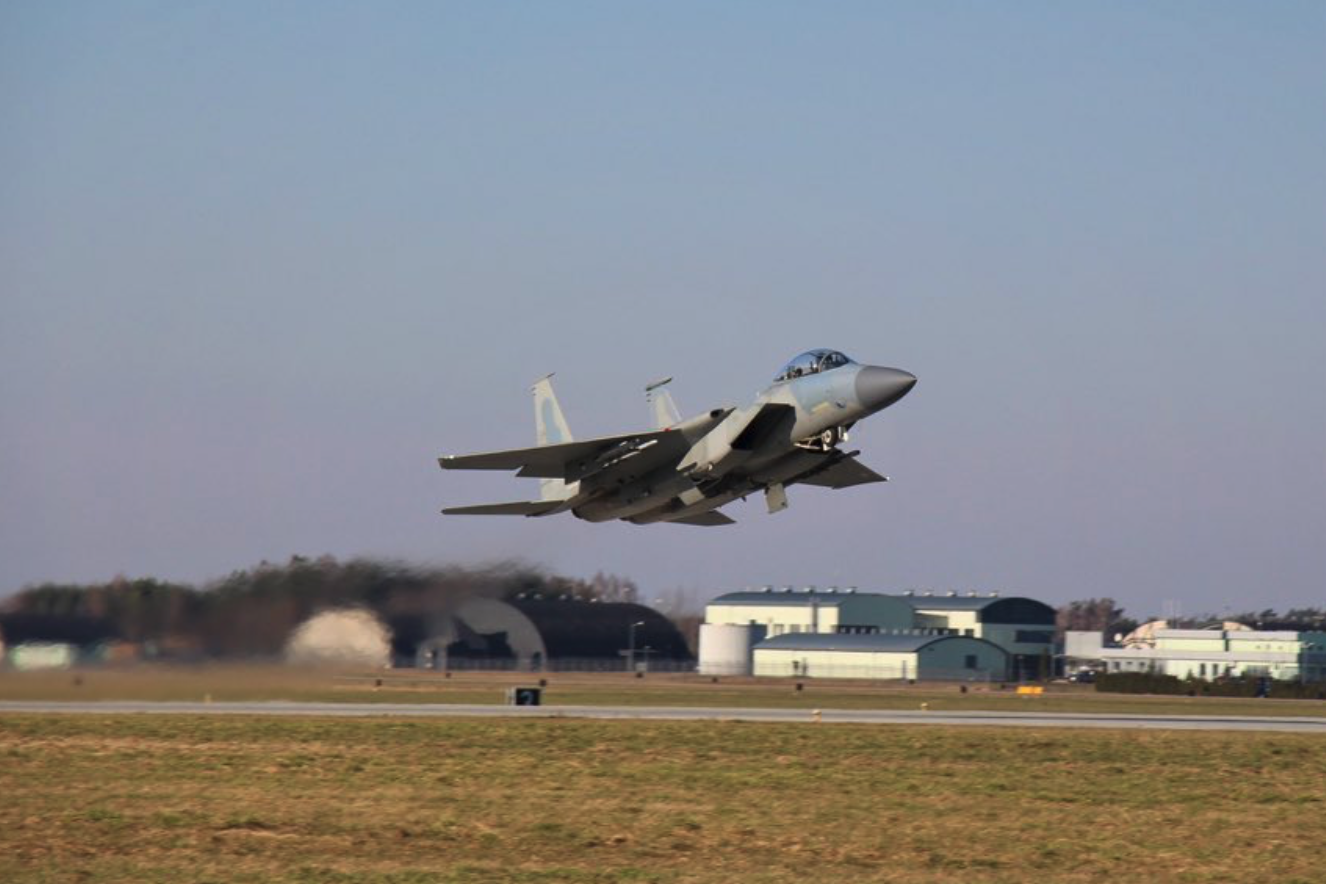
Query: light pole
(630, 645)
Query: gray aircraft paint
(683, 471)
(662, 408)
(550, 429)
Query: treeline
(1297, 619)
(1093, 615)
(252, 612)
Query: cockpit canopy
(812, 362)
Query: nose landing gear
(825, 441)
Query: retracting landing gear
(825, 441)
(775, 497)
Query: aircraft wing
(842, 473)
(567, 460)
(519, 508)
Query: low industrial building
(53, 641)
(1221, 653)
(1022, 627)
(880, 656)
(740, 626)
(782, 611)
(31, 656)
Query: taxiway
(828, 716)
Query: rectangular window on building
(1034, 637)
(970, 661)
(969, 632)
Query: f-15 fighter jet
(683, 471)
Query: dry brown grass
(121, 799)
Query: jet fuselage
(721, 466)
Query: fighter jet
(683, 471)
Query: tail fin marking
(664, 410)
(550, 429)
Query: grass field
(397, 686)
(200, 799)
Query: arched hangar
(534, 634)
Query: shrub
(1246, 686)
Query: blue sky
(260, 264)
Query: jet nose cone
(878, 387)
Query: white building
(739, 624)
(880, 656)
(738, 621)
(782, 611)
(43, 655)
(1214, 653)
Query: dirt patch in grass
(122, 799)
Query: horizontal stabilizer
(518, 508)
(843, 473)
(707, 520)
(566, 460)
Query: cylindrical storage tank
(727, 649)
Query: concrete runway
(832, 716)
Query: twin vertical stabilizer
(662, 407)
(550, 429)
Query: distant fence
(564, 664)
(778, 670)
